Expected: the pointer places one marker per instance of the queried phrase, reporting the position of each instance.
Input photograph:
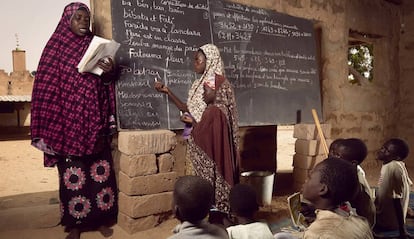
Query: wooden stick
(318, 126)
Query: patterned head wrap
(68, 13)
(69, 109)
(214, 66)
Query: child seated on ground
(193, 197)
(330, 184)
(393, 187)
(354, 151)
(243, 206)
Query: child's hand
(160, 87)
(186, 118)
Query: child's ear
(323, 190)
(176, 211)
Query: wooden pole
(318, 126)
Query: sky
(34, 22)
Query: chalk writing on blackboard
(269, 58)
(159, 39)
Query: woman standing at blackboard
(70, 122)
(209, 64)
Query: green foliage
(361, 58)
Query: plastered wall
(371, 111)
(405, 124)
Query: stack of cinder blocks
(308, 150)
(146, 178)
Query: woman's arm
(164, 89)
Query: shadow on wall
(258, 148)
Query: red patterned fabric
(70, 110)
(213, 144)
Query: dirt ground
(23, 174)
(23, 171)
(22, 167)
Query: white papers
(98, 48)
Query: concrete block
(150, 184)
(306, 147)
(306, 161)
(146, 141)
(165, 163)
(132, 225)
(309, 131)
(297, 186)
(300, 175)
(310, 147)
(140, 206)
(138, 165)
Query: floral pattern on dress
(79, 207)
(105, 199)
(96, 171)
(69, 177)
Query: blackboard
(269, 58)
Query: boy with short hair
(193, 197)
(243, 206)
(330, 184)
(355, 151)
(393, 187)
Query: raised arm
(164, 89)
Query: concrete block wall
(146, 178)
(309, 150)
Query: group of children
(193, 198)
(341, 202)
(384, 207)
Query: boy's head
(333, 148)
(243, 201)
(353, 150)
(332, 182)
(393, 149)
(193, 198)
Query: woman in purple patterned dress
(70, 117)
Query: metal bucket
(262, 182)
